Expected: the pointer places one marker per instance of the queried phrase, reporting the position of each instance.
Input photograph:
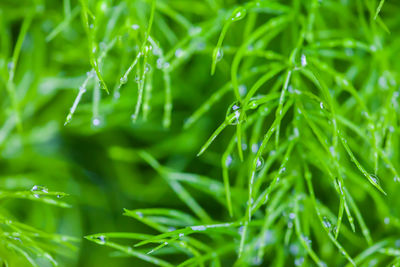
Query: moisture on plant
(199, 133)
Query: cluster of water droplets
(236, 109)
(306, 239)
(291, 217)
(36, 188)
(162, 64)
(298, 261)
(198, 228)
(327, 223)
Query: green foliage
(228, 133)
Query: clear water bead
(238, 14)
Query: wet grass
(233, 133)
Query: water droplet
(374, 179)
(220, 54)
(296, 133)
(10, 65)
(147, 68)
(148, 48)
(36, 195)
(242, 90)
(194, 30)
(159, 63)
(240, 230)
(334, 229)
(306, 239)
(156, 51)
(321, 105)
(254, 148)
(387, 220)
(283, 170)
(200, 45)
(135, 27)
(123, 80)
(327, 224)
(228, 161)
(253, 104)
(139, 214)
(294, 249)
(332, 150)
(244, 146)
(198, 228)
(91, 73)
(292, 215)
(238, 14)
(96, 122)
(102, 239)
(299, 261)
(39, 188)
(235, 108)
(303, 60)
(259, 163)
(181, 235)
(264, 111)
(179, 52)
(103, 6)
(91, 26)
(383, 82)
(166, 65)
(137, 78)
